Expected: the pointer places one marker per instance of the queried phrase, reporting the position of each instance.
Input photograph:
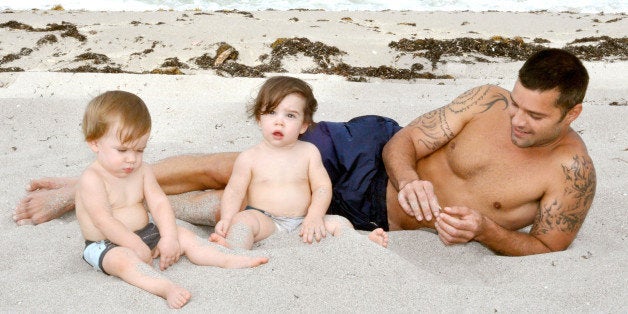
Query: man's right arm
(423, 136)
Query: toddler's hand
(170, 251)
(312, 228)
(222, 227)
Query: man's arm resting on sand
(559, 217)
(422, 137)
(415, 141)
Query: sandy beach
(196, 70)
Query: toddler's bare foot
(379, 236)
(177, 297)
(46, 199)
(218, 239)
(240, 261)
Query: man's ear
(573, 113)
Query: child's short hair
(116, 106)
(273, 92)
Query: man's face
(535, 119)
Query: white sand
(41, 267)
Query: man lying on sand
(480, 168)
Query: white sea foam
(582, 6)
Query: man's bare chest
(484, 170)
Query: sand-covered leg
(201, 252)
(123, 263)
(197, 207)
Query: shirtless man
(498, 161)
(484, 166)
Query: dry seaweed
(92, 69)
(11, 69)
(145, 51)
(603, 47)
(174, 63)
(47, 39)
(205, 61)
(97, 58)
(168, 71)
(434, 49)
(17, 25)
(224, 53)
(356, 74)
(69, 29)
(14, 56)
(239, 70)
(614, 20)
(234, 11)
(321, 53)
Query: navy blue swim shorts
(352, 154)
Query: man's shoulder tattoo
(483, 97)
(567, 213)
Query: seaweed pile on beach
(324, 58)
(603, 47)
(433, 49)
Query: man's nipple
(497, 205)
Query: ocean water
(581, 6)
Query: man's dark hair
(556, 68)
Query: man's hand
(459, 224)
(312, 228)
(417, 199)
(170, 250)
